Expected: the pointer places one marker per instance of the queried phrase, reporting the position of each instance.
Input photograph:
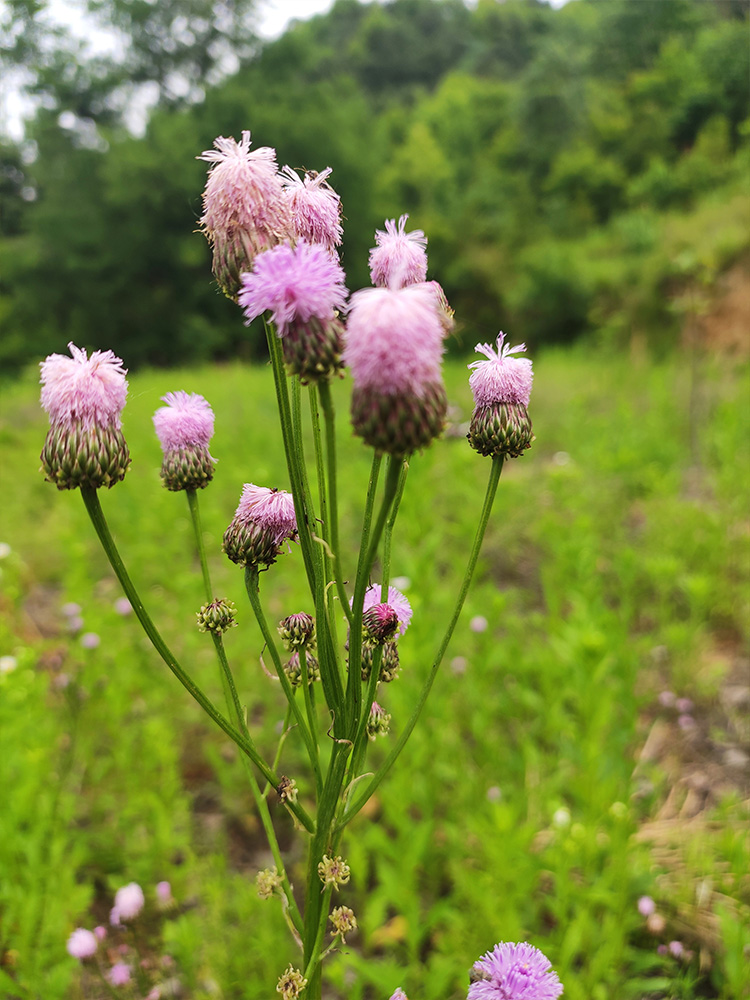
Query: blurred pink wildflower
(514, 972)
(315, 207)
(81, 944)
(394, 340)
(129, 902)
(399, 258)
(119, 974)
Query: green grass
(616, 566)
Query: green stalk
(329, 416)
(95, 512)
(308, 698)
(354, 686)
(195, 514)
(497, 466)
(253, 592)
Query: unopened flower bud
(293, 668)
(389, 663)
(291, 984)
(344, 922)
(268, 882)
(378, 723)
(333, 871)
(297, 631)
(379, 623)
(216, 617)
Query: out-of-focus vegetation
(575, 170)
(553, 781)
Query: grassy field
(588, 747)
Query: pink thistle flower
(263, 521)
(184, 428)
(646, 906)
(84, 398)
(295, 284)
(396, 601)
(500, 424)
(399, 995)
(81, 944)
(164, 893)
(394, 340)
(302, 287)
(119, 974)
(100, 932)
(82, 391)
(315, 207)
(123, 607)
(187, 420)
(129, 901)
(399, 258)
(513, 972)
(245, 210)
(90, 640)
(501, 378)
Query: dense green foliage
(615, 566)
(573, 169)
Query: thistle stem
(253, 592)
(497, 466)
(329, 416)
(95, 512)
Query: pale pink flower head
(83, 391)
(263, 521)
(129, 901)
(394, 347)
(315, 207)
(501, 378)
(396, 601)
(245, 210)
(399, 995)
(84, 398)
(302, 287)
(399, 258)
(119, 974)
(186, 421)
(164, 893)
(394, 340)
(514, 972)
(646, 906)
(81, 944)
(184, 428)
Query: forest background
(579, 171)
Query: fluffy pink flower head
(315, 207)
(400, 258)
(294, 284)
(186, 421)
(119, 974)
(90, 392)
(269, 509)
(514, 972)
(243, 190)
(501, 378)
(396, 600)
(81, 943)
(394, 340)
(399, 995)
(129, 901)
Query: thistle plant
(274, 237)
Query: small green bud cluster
(389, 663)
(287, 789)
(378, 722)
(293, 669)
(216, 617)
